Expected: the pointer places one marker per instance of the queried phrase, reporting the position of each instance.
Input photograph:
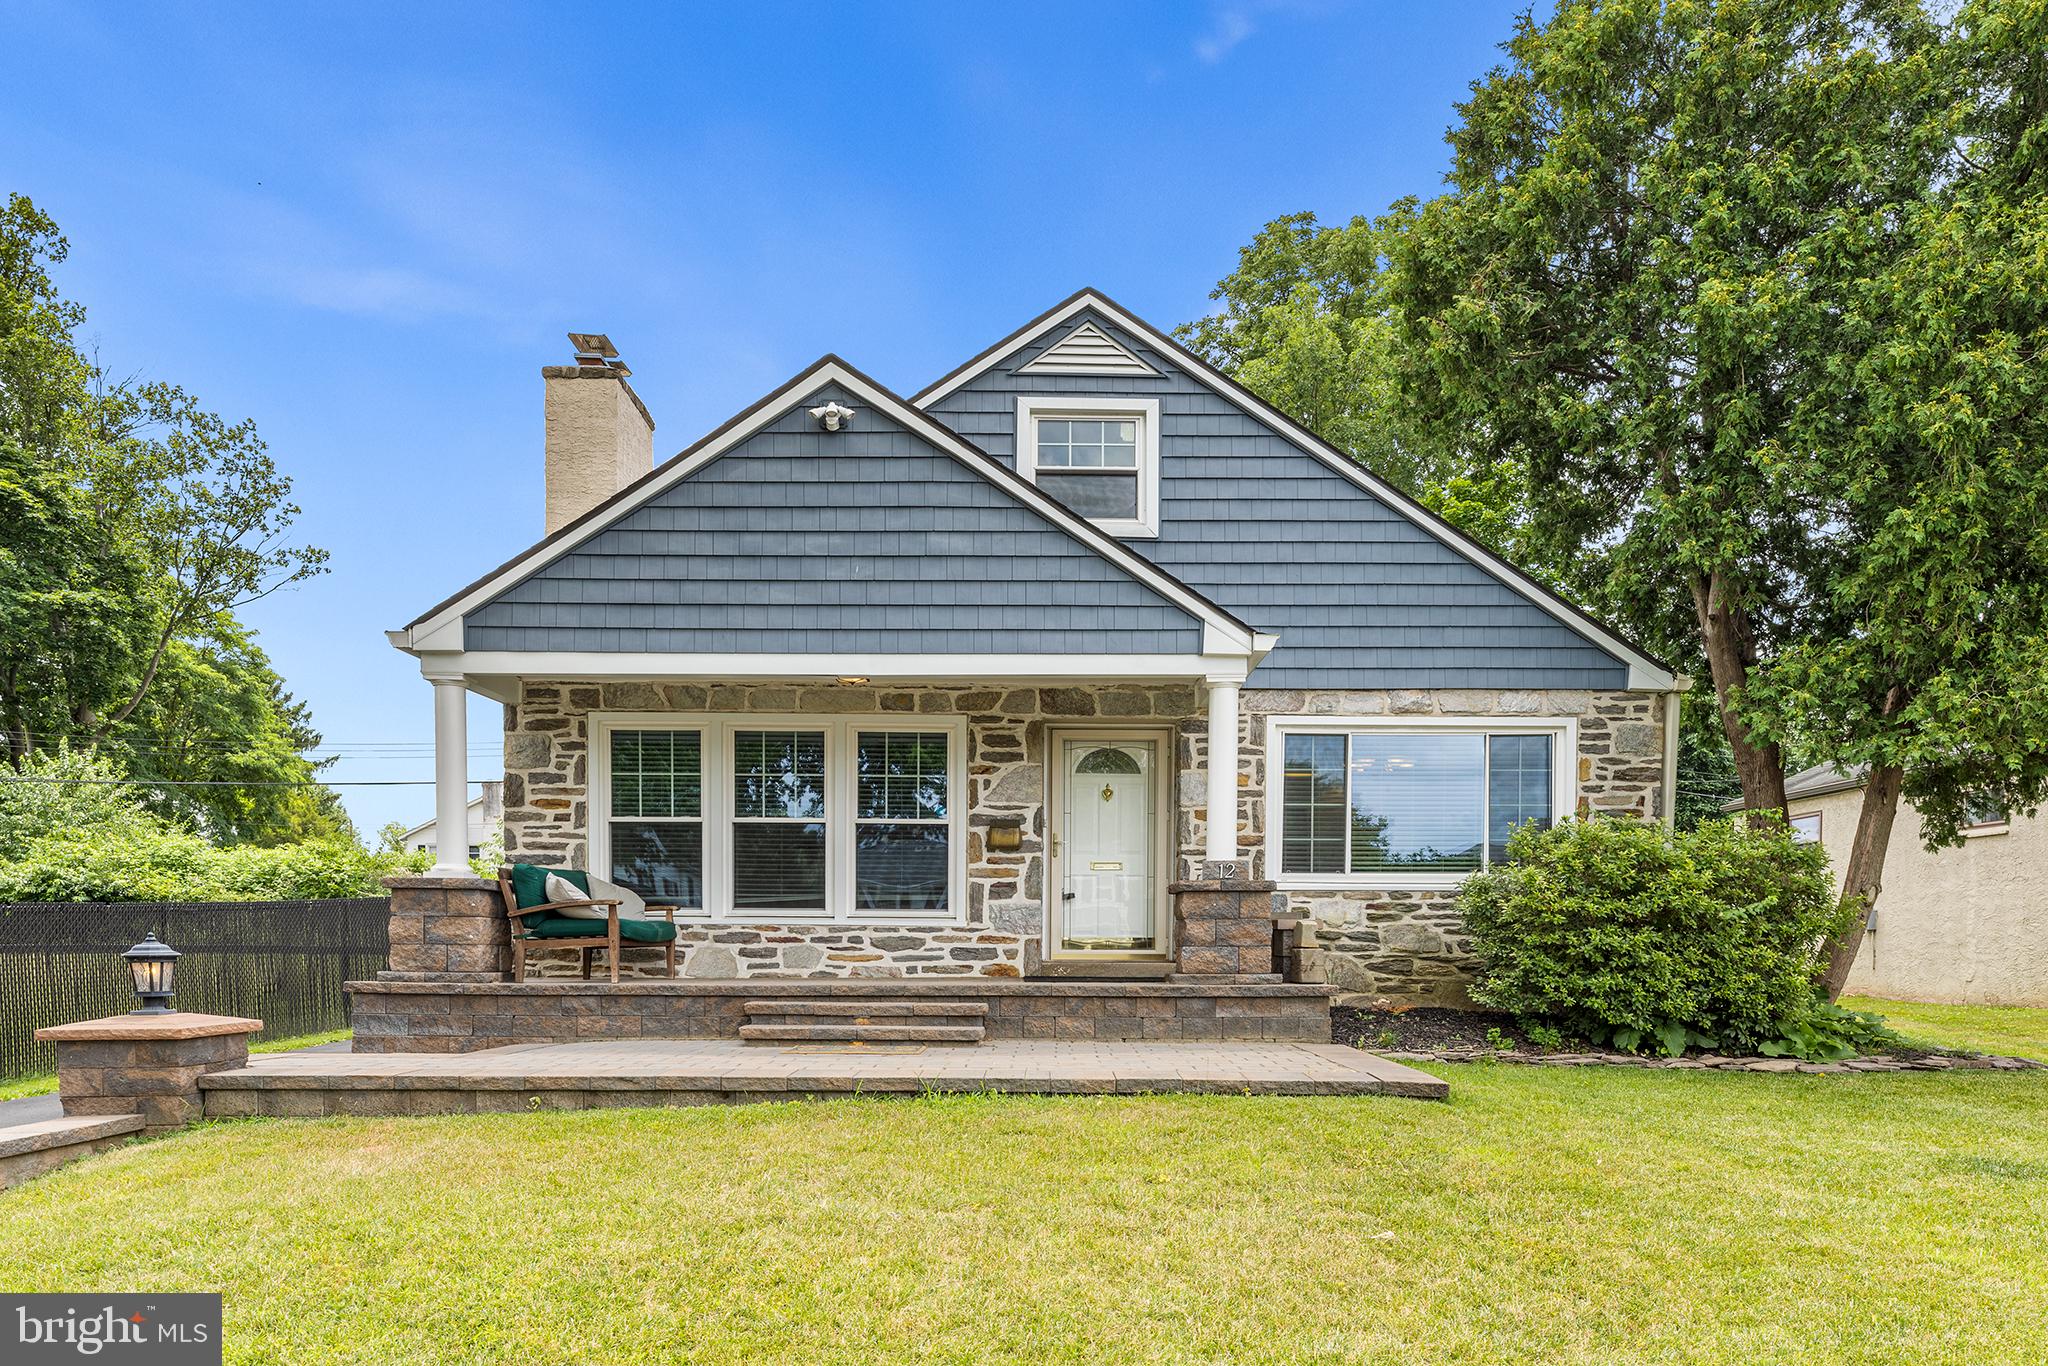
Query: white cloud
(1229, 26)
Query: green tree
(1304, 324)
(1935, 674)
(134, 524)
(225, 746)
(1640, 278)
(64, 790)
(194, 501)
(73, 626)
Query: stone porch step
(1112, 970)
(861, 1033)
(873, 1010)
(29, 1150)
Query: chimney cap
(595, 344)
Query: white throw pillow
(631, 907)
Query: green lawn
(45, 1082)
(1542, 1215)
(2016, 1031)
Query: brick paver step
(960, 1010)
(860, 1033)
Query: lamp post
(152, 962)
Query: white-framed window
(1983, 815)
(1099, 456)
(1806, 828)
(783, 818)
(1409, 802)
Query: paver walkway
(602, 1072)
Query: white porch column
(1222, 829)
(451, 779)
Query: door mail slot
(1106, 866)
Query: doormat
(855, 1048)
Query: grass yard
(2016, 1031)
(1584, 1215)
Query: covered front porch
(891, 824)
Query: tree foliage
(1731, 324)
(133, 525)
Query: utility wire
(223, 782)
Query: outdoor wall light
(1006, 834)
(152, 963)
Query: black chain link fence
(282, 962)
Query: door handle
(1066, 896)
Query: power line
(213, 782)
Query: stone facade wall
(1411, 945)
(547, 799)
(1402, 944)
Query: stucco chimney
(599, 435)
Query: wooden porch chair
(544, 924)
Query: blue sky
(367, 226)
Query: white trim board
(1645, 673)
(440, 629)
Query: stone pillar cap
(408, 881)
(175, 1024)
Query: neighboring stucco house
(1967, 926)
(954, 684)
(481, 820)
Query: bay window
(783, 818)
(1411, 805)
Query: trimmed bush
(1636, 935)
(153, 863)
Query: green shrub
(65, 789)
(154, 863)
(1634, 935)
(143, 862)
(147, 860)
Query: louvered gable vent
(1087, 350)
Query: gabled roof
(1647, 672)
(1231, 634)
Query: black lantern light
(152, 961)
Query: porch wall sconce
(152, 963)
(1006, 834)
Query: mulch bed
(1436, 1034)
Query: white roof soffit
(1644, 673)
(440, 629)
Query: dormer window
(1099, 456)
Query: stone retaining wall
(461, 1017)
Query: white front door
(1107, 883)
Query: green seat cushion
(530, 882)
(567, 927)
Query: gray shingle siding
(799, 541)
(1360, 596)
